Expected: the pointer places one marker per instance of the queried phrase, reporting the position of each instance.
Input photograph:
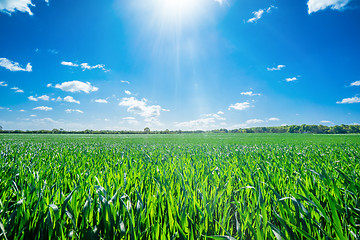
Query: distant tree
(147, 130)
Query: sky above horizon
(178, 64)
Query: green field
(196, 186)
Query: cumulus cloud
(17, 90)
(76, 86)
(70, 64)
(349, 100)
(43, 108)
(207, 121)
(101, 101)
(278, 68)
(127, 92)
(43, 97)
(14, 66)
(273, 119)
(356, 83)
(239, 106)
(73, 110)
(220, 112)
(3, 84)
(317, 5)
(291, 79)
(250, 93)
(258, 14)
(70, 100)
(140, 107)
(254, 121)
(11, 6)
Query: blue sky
(178, 64)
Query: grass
(216, 186)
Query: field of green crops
(216, 186)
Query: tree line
(304, 128)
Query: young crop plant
(76, 187)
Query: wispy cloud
(14, 66)
(76, 86)
(141, 107)
(43, 108)
(250, 93)
(221, 2)
(317, 5)
(43, 97)
(73, 110)
(127, 92)
(326, 122)
(356, 83)
(273, 119)
(85, 66)
(254, 121)
(3, 84)
(131, 120)
(239, 106)
(11, 6)
(278, 68)
(349, 100)
(17, 90)
(101, 101)
(259, 13)
(207, 121)
(125, 81)
(291, 79)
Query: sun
(175, 11)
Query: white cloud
(86, 66)
(250, 93)
(357, 83)
(317, 5)
(215, 116)
(326, 122)
(44, 97)
(127, 92)
(131, 120)
(202, 123)
(291, 79)
(239, 106)
(70, 100)
(258, 14)
(220, 112)
(70, 64)
(73, 110)
(101, 101)
(22, 110)
(76, 86)
(11, 6)
(14, 66)
(125, 81)
(3, 84)
(32, 115)
(254, 121)
(43, 108)
(278, 68)
(35, 99)
(273, 119)
(349, 100)
(141, 108)
(17, 90)
(49, 85)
